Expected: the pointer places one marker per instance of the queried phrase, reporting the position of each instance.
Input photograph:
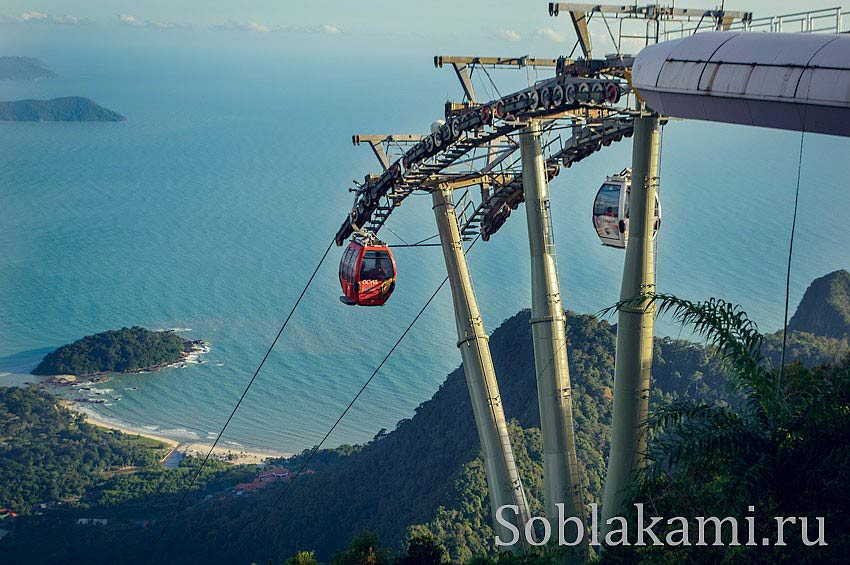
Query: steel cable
(239, 402)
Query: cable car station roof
(794, 81)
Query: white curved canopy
(779, 80)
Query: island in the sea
(23, 68)
(127, 350)
(66, 109)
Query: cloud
(130, 20)
(254, 26)
(133, 21)
(552, 35)
(244, 26)
(600, 40)
(66, 20)
(508, 35)
(270, 28)
(33, 17)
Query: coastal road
(174, 457)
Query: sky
(509, 26)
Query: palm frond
(699, 437)
(723, 325)
(703, 450)
(678, 412)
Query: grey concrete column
(562, 483)
(503, 479)
(634, 325)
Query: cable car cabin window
(352, 265)
(377, 266)
(343, 265)
(608, 201)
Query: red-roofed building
(263, 480)
(279, 473)
(7, 513)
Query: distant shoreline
(190, 448)
(63, 109)
(187, 446)
(37, 122)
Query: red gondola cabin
(367, 274)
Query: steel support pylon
(562, 482)
(633, 362)
(503, 479)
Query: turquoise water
(208, 208)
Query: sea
(208, 209)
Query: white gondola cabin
(611, 210)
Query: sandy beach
(184, 446)
(95, 421)
(194, 449)
(227, 454)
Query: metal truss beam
(377, 143)
(650, 12)
(515, 62)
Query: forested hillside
(825, 307)
(426, 475)
(55, 468)
(48, 453)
